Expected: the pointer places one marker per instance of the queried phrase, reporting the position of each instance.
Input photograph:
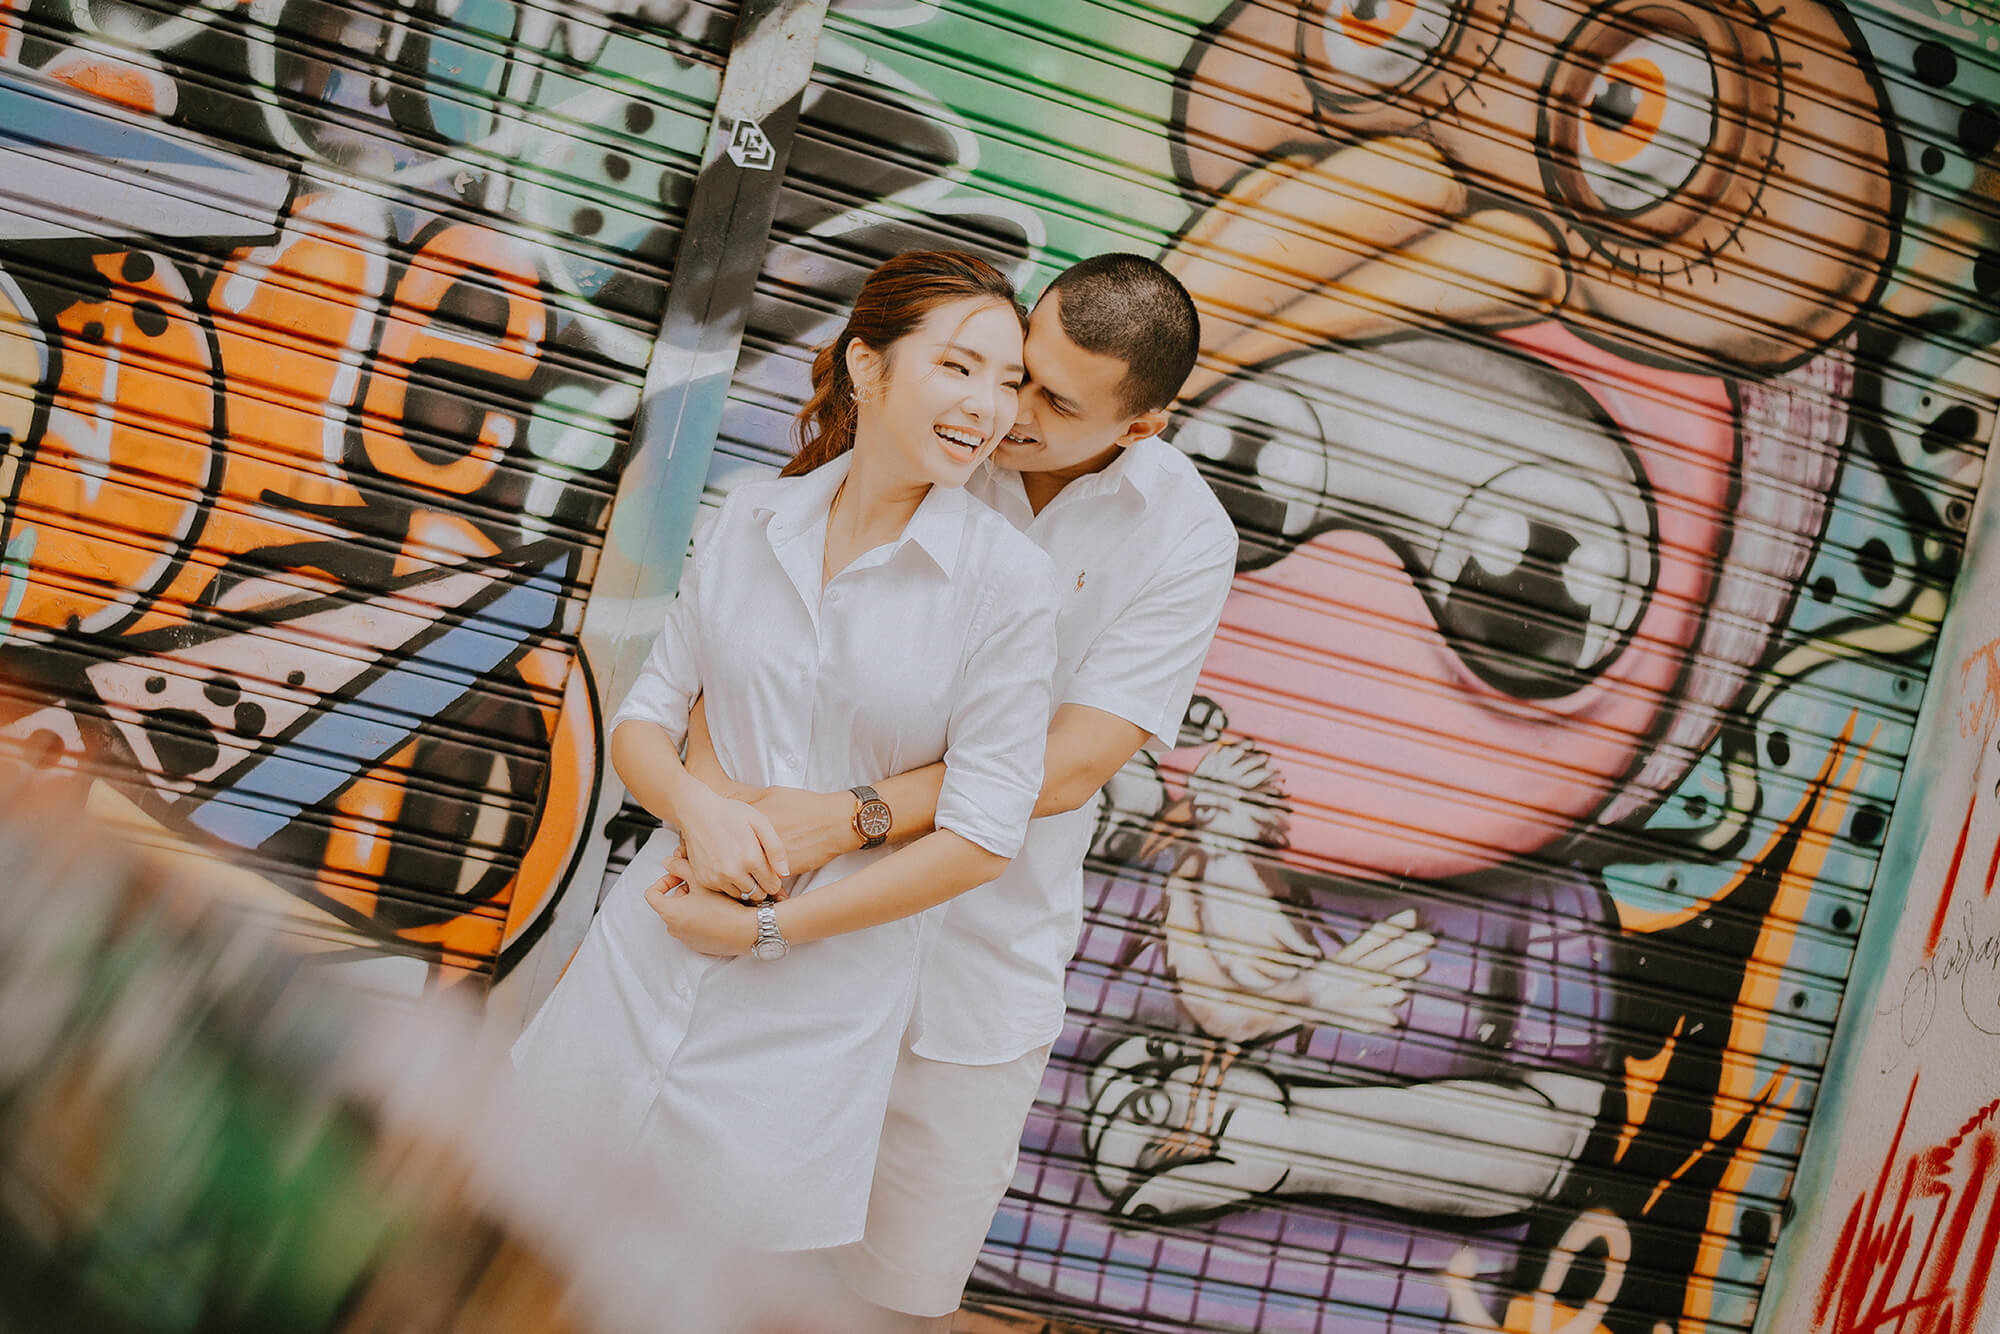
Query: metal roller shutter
(322, 328)
(1600, 392)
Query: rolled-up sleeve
(1142, 667)
(666, 688)
(999, 724)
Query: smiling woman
(856, 617)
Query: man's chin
(1018, 457)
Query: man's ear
(1144, 425)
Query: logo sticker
(749, 148)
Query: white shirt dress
(757, 1089)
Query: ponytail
(825, 426)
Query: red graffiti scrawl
(1917, 1250)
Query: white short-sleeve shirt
(940, 645)
(1143, 555)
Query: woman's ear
(864, 368)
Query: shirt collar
(939, 525)
(1138, 465)
(802, 505)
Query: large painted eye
(1647, 119)
(1356, 52)
(1383, 43)
(1690, 149)
(1540, 576)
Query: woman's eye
(957, 366)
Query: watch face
(768, 950)
(873, 818)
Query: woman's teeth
(951, 435)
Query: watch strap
(771, 942)
(863, 796)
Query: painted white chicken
(1246, 968)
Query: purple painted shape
(1520, 980)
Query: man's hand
(815, 827)
(732, 848)
(705, 923)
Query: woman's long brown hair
(893, 301)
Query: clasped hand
(730, 856)
(704, 921)
(736, 851)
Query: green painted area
(1071, 124)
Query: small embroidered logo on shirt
(1079, 581)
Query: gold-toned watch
(872, 818)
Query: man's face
(1072, 410)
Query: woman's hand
(816, 827)
(706, 923)
(733, 848)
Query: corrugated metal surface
(1600, 393)
(323, 327)
(1903, 1139)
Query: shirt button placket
(794, 761)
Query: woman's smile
(962, 439)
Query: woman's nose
(982, 397)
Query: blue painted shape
(367, 727)
(38, 112)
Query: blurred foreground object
(199, 1134)
(202, 1134)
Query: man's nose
(1025, 404)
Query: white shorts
(949, 1144)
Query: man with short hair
(1144, 555)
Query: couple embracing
(819, 1001)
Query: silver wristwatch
(771, 943)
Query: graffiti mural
(1600, 393)
(1897, 1222)
(322, 328)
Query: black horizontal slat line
(343, 303)
(490, 686)
(387, 501)
(465, 739)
